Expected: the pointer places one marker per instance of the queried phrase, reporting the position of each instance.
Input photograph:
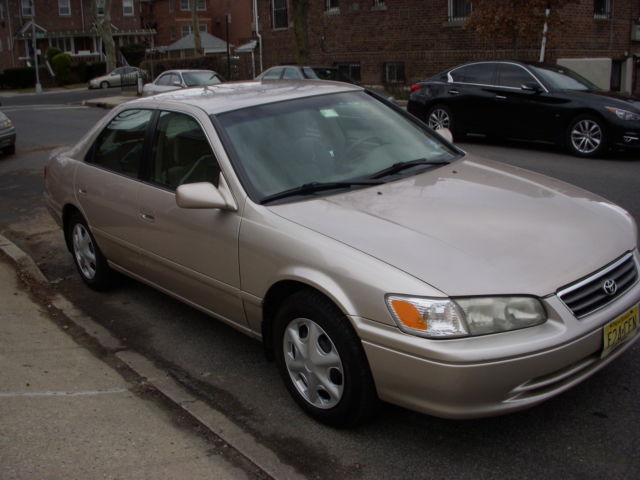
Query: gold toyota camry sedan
(374, 259)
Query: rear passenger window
(290, 74)
(181, 153)
(480, 73)
(119, 145)
(273, 74)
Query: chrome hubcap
(586, 136)
(313, 363)
(84, 251)
(439, 118)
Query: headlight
(623, 114)
(463, 317)
(6, 124)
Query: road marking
(60, 394)
(19, 108)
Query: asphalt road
(591, 431)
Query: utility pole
(35, 45)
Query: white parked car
(176, 79)
(118, 77)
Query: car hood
(476, 227)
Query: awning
(210, 43)
(247, 47)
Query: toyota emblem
(609, 287)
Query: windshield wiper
(313, 187)
(398, 167)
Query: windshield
(194, 79)
(330, 138)
(560, 78)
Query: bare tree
(195, 28)
(102, 21)
(515, 22)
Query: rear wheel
(322, 362)
(586, 136)
(89, 260)
(104, 84)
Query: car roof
(225, 97)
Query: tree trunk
(195, 28)
(103, 27)
(300, 30)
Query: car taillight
(415, 87)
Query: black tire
(10, 150)
(104, 84)
(440, 116)
(587, 136)
(350, 374)
(90, 262)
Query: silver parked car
(118, 77)
(7, 135)
(374, 259)
(176, 79)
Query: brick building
(172, 19)
(66, 24)
(402, 41)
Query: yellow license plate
(619, 330)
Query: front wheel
(586, 136)
(89, 260)
(322, 362)
(104, 85)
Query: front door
(191, 253)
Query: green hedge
(20, 77)
(61, 65)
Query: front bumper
(625, 134)
(469, 378)
(7, 137)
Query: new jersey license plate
(619, 330)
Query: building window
(127, 8)
(186, 29)
(332, 4)
(64, 8)
(394, 72)
(185, 5)
(172, 32)
(171, 5)
(280, 14)
(351, 70)
(27, 8)
(459, 10)
(99, 7)
(602, 9)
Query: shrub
(61, 65)
(52, 52)
(20, 77)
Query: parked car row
(373, 258)
(119, 77)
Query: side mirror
(446, 134)
(202, 195)
(532, 87)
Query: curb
(213, 420)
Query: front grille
(588, 295)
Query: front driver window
(119, 145)
(181, 153)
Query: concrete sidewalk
(65, 414)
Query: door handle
(148, 217)
(501, 97)
(454, 91)
(82, 191)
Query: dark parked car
(295, 72)
(528, 101)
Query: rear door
(107, 185)
(469, 97)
